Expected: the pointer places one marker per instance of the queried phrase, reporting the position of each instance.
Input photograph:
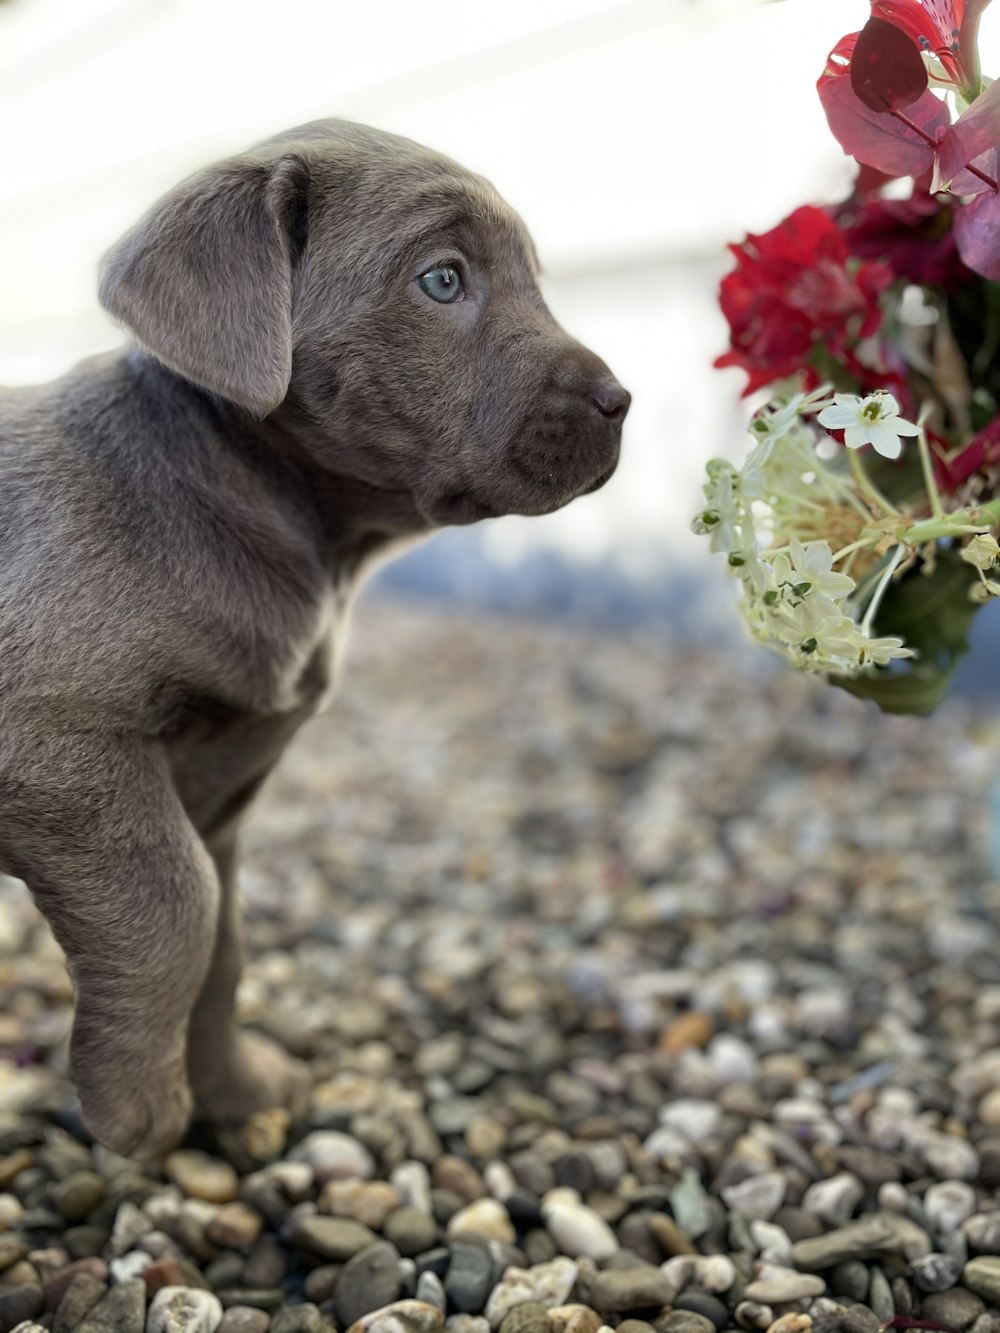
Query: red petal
(878, 138)
(934, 25)
(976, 133)
(977, 231)
(886, 68)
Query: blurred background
(636, 137)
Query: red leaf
(877, 138)
(887, 70)
(977, 232)
(972, 138)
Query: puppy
(340, 345)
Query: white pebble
(577, 1229)
(834, 1200)
(757, 1196)
(499, 1180)
(693, 1117)
(550, 1284)
(773, 1242)
(412, 1182)
(130, 1265)
(948, 1203)
(334, 1156)
(184, 1310)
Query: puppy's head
(382, 302)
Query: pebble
(469, 1278)
(777, 1286)
(184, 1310)
(549, 1284)
(199, 1176)
(982, 1276)
(577, 1229)
(334, 1156)
(235, 1226)
(370, 1202)
(122, 1310)
(757, 1196)
(370, 1280)
(408, 1316)
(617, 1291)
(935, 1272)
(487, 1219)
(334, 1238)
(244, 1319)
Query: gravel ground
(638, 992)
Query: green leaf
(932, 613)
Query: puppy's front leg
(234, 1073)
(95, 829)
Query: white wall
(635, 137)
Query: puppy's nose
(611, 400)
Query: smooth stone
(258, 1298)
(334, 1156)
(12, 1249)
(369, 1281)
(868, 1237)
(430, 1289)
(638, 1288)
(484, 1218)
(690, 1205)
(935, 1272)
(704, 1304)
(859, 1319)
(370, 1202)
(757, 1196)
(334, 1238)
(668, 1235)
(184, 1310)
(400, 1317)
(957, 1307)
(578, 1230)
(244, 1319)
(469, 1278)
(199, 1176)
(982, 1276)
(305, 1318)
(78, 1300)
(122, 1310)
(20, 1303)
(235, 1226)
(411, 1230)
(714, 1273)
(880, 1296)
(779, 1287)
(850, 1279)
(549, 1283)
(948, 1203)
(130, 1265)
(751, 1315)
(834, 1200)
(76, 1197)
(267, 1264)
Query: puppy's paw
(143, 1119)
(257, 1075)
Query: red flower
(946, 29)
(979, 455)
(913, 236)
(793, 290)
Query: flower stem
(879, 593)
(930, 483)
(932, 143)
(867, 486)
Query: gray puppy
(341, 346)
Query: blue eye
(442, 284)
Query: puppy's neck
(350, 521)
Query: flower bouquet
(861, 526)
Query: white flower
(723, 512)
(880, 652)
(811, 567)
(874, 420)
(776, 418)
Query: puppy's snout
(611, 400)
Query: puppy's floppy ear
(204, 280)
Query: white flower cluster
(762, 517)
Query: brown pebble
(690, 1029)
(81, 1296)
(21, 1274)
(459, 1177)
(172, 1273)
(202, 1177)
(236, 1226)
(13, 1164)
(56, 1286)
(574, 1319)
(669, 1236)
